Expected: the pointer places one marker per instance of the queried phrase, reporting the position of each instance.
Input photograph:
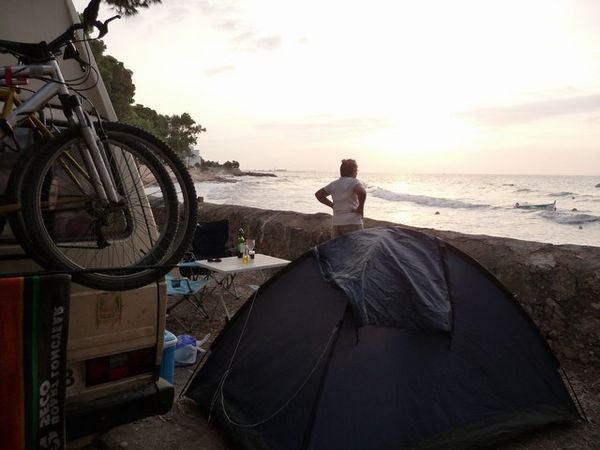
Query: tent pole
(579, 406)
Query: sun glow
(383, 80)
(421, 136)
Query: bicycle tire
(13, 193)
(184, 185)
(108, 248)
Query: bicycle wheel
(184, 185)
(107, 247)
(13, 194)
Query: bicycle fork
(93, 152)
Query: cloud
(228, 25)
(211, 7)
(178, 10)
(268, 43)
(176, 14)
(220, 70)
(247, 36)
(249, 41)
(328, 125)
(527, 112)
(225, 17)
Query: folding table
(223, 271)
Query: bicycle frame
(94, 155)
(10, 98)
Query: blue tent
(385, 338)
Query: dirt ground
(185, 428)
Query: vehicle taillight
(119, 366)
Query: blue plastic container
(167, 367)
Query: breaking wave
(561, 194)
(569, 218)
(423, 199)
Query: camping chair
(184, 290)
(209, 241)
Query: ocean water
(473, 204)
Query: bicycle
(110, 178)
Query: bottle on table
(246, 255)
(240, 242)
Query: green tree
(130, 7)
(231, 164)
(207, 164)
(118, 80)
(150, 120)
(182, 134)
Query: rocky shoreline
(223, 175)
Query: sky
(460, 86)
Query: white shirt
(345, 201)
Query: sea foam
(422, 199)
(569, 218)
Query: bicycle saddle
(28, 53)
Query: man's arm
(322, 195)
(361, 193)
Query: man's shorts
(338, 230)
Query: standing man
(348, 199)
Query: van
(114, 351)
(115, 339)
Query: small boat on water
(544, 206)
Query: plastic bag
(187, 349)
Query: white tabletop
(233, 264)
